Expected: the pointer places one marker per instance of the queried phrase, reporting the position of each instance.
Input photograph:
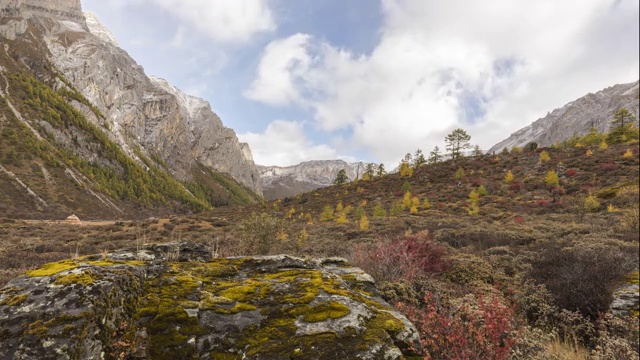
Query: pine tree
(369, 171)
(457, 142)
(381, 171)
(341, 177)
(435, 156)
(477, 151)
(419, 159)
(407, 158)
(621, 118)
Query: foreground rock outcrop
(167, 302)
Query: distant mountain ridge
(282, 181)
(577, 117)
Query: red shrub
(608, 167)
(473, 331)
(571, 172)
(542, 203)
(408, 257)
(516, 187)
(476, 182)
(518, 220)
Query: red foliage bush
(518, 220)
(516, 187)
(476, 182)
(473, 331)
(605, 167)
(571, 172)
(542, 203)
(408, 257)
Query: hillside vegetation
(513, 255)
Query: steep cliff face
(57, 9)
(140, 111)
(577, 117)
(279, 182)
(84, 130)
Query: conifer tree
(418, 159)
(477, 151)
(369, 171)
(341, 177)
(621, 118)
(381, 171)
(457, 142)
(434, 155)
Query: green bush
(259, 233)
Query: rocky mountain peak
(57, 9)
(98, 29)
(140, 111)
(576, 117)
(282, 181)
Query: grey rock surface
(181, 304)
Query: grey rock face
(182, 304)
(279, 182)
(141, 112)
(626, 299)
(576, 118)
(58, 9)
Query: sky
(371, 80)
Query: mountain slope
(84, 130)
(280, 182)
(576, 118)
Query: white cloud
(282, 62)
(225, 21)
(284, 143)
(489, 67)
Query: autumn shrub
(544, 156)
(408, 257)
(363, 223)
(259, 232)
(591, 203)
(468, 269)
(379, 211)
(327, 213)
(551, 179)
(481, 327)
(618, 338)
(516, 187)
(571, 173)
(607, 167)
(509, 177)
(397, 208)
(582, 277)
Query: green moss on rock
(53, 268)
(84, 278)
(14, 300)
(325, 311)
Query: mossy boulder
(269, 307)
